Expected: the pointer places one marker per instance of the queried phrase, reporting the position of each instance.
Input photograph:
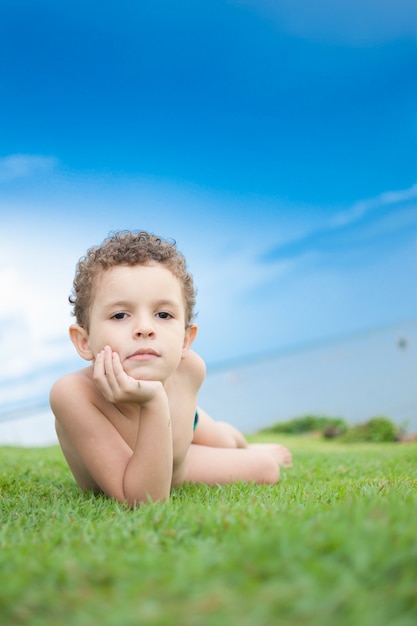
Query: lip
(144, 354)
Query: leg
(227, 465)
(217, 434)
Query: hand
(116, 386)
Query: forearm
(148, 474)
(148, 471)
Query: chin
(145, 373)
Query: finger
(109, 369)
(123, 381)
(126, 383)
(117, 367)
(99, 374)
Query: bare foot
(280, 453)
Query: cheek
(97, 343)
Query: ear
(190, 335)
(79, 338)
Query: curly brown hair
(128, 248)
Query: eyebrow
(125, 304)
(117, 304)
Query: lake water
(374, 373)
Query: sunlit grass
(333, 543)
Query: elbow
(137, 500)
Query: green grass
(335, 542)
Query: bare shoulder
(69, 388)
(68, 382)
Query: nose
(144, 327)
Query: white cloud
(13, 296)
(351, 22)
(224, 282)
(364, 207)
(32, 313)
(395, 197)
(22, 165)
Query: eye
(164, 315)
(119, 316)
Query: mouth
(144, 354)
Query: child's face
(139, 311)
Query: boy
(128, 424)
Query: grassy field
(334, 543)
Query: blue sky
(275, 141)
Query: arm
(130, 472)
(148, 473)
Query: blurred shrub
(377, 430)
(308, 424)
